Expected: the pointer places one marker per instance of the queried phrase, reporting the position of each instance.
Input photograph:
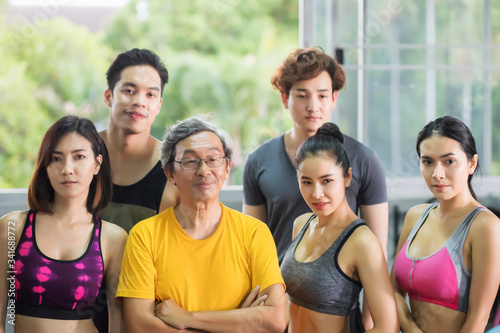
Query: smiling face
(203, 183)
(322, 183)
(311, 102)
(135, 100)
(445, 167)
(72, 166)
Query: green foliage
(49, 69)
(220, 55)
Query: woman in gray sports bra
(333, 253)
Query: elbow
(277, 322)
(279, 326)
(476, 320)
(392, 327)
(270, 320)
(134, 326)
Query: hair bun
(331, 129)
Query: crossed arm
(262, 313)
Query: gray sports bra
(321, 285)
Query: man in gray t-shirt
(308, 81)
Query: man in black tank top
(135, 85)
(140, 189)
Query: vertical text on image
(11, 273)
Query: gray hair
(185, 128)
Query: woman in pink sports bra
(56, 257)
(448, 252)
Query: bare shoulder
(155, 144)
(13, 216)
(364, 239)
(485, 223)
(14, 219)
(113, 233)
(412, 216)
(12, 224)
(415, 212)
(299, 223)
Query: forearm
(254, 319)
(150, 325)
(474, 324)
(379, 329)
(139, 316)
(365, 315)
(406, 322)
(115, 313)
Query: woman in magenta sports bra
(59, 253)
(448, 254)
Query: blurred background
(220, 55)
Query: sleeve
(264, 264)
(373, 187)
(252, 194)
(138, 273)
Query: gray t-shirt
(270, 178)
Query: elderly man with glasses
(200, 265)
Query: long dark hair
(41, 192)
(454, 129)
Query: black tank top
(136, 202)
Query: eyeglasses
(190, 163)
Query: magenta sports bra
(439, 278)
(57, 289)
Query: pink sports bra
(441, 277)
(57, 289)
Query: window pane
(379, 133)
(412, 118)
(392, 21)
(378, 56)
(412, 56)
(462, 94)
(459, 22)
(323, 24)
(346, 112)
(398, 76)
(495, 109)
(347, 22)
(396, 114)
(460, 56)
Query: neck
(69, 210)
(124, 145)
(295, 137)
(199, 221)
(457, 204)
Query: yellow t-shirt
(161, 261)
